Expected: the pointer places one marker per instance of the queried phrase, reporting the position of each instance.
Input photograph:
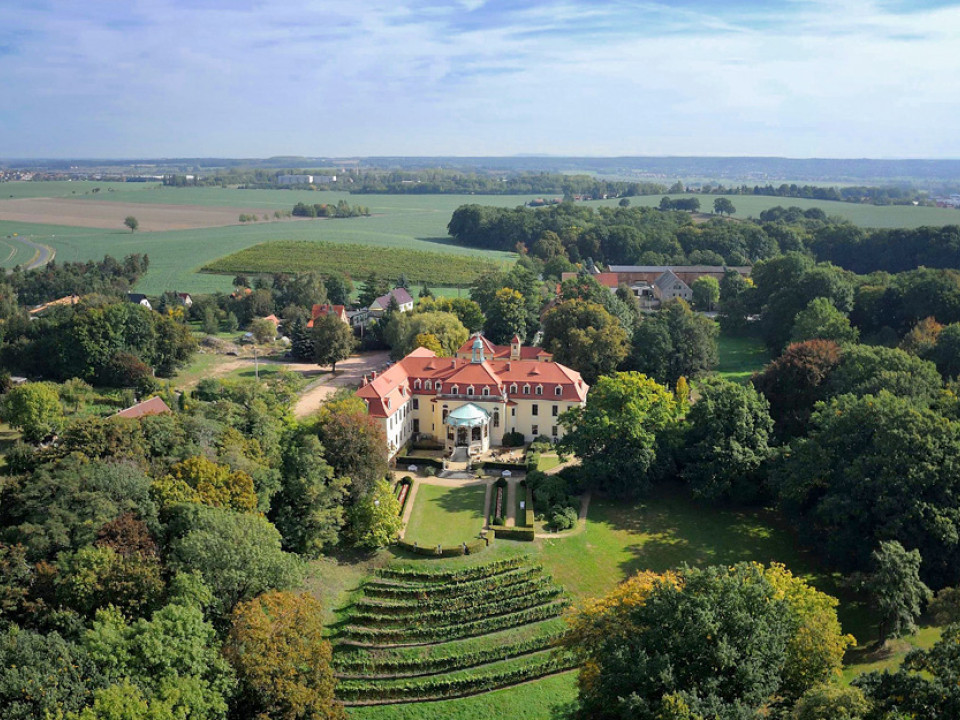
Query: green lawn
(541, 700)
(740, 357)
(548, 461)
(446, 516)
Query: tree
(95, 577)
(263, 331)
(210, 325)
(675, 341)
(403, 328)
(925, 687)
(821, 320)
(715, 642)
(723, 205)
(922, 338)
(232, 323)
(897, 590)
(617, 433)
(946, 353)
(706, 292)
(374, 519)
(585, 337)
(831, 701)
(308, 510)
(43, 675)
(506, 317)
(238, 555)
(795, 382)
(172, 658)
(198, 480)
(466, 310)
(333, 340)
(34, 408)
(727, 441)
(876, 468)
(131, 222)
(339, 288)
(74, 392)
(355, 443)
(282, 659)
(373, 287)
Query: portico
(468, 427)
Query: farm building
(469, 403)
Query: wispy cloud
(227, 77)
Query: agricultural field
(418, 632)
(356, 261)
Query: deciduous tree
(897, 590)
(333, 340)
(584, 336)
(34, 408)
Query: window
(553, 430)
(535, 430)
(388, 403)
(526, 389)
(416, 427)
(558, 391)
(556, 411)
(416, 384)
(454, 389)
(513, 389)
(539, 389)
(536, 410)
(486, 392)
(416, 404)
(496, 418)
(439, 386)
(513, 412)
(470, 389)
(427, 385)
(444, 414)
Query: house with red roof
(469, 403)
(325, 309)
(153, 406)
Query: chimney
(373, 375)
(508, 367)
(453, 362)
(365, 381)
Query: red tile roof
(153, 406)
(493, 352)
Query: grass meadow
(740, 357)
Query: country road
(43, 254)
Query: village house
(319, 311)
(139, 299)
(470, 401)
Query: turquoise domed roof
(468, 415)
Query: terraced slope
(418, 634)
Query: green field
(415, 222)
(356, 261)
(446, 516)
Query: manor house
(470, 401)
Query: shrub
(563, 517)
(498, 520)
(512, 439)
(525, 534)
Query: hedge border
(524, 534)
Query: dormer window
(486, 392)
(558, 391)
(539, 389)
(454, 390)
(439, 386)
(416, 384)
(470, 390)
(388, 403)
(526, 389)
(427, 385)
(513, 389)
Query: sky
(341, 78)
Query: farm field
(357, 261)
(446, 516)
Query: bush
(512, 439)
(563, 517)
(21, 458)
(498, 521)
(525, 534)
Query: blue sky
(245, 78)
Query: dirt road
(349, 374)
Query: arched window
(526, 389)
(486, 392)
(470, 390)
(539, 389)
(427, 385)
(513, 389)
(454, 389)
(439, 386)
(558, 391)
(416, 384)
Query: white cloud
(336, 77)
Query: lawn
(541, 700)
(740, 357)
(446, 516)
(548, 461)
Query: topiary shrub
(498, 521)
(512, 439)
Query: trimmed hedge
(460, 575)
(428, 636)
(528, 510)
(495, 465)
(432, 593)
(416, 667)
(526, 534)
(406, 460)
(417, 689)
(469, 548)
(487, 608)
